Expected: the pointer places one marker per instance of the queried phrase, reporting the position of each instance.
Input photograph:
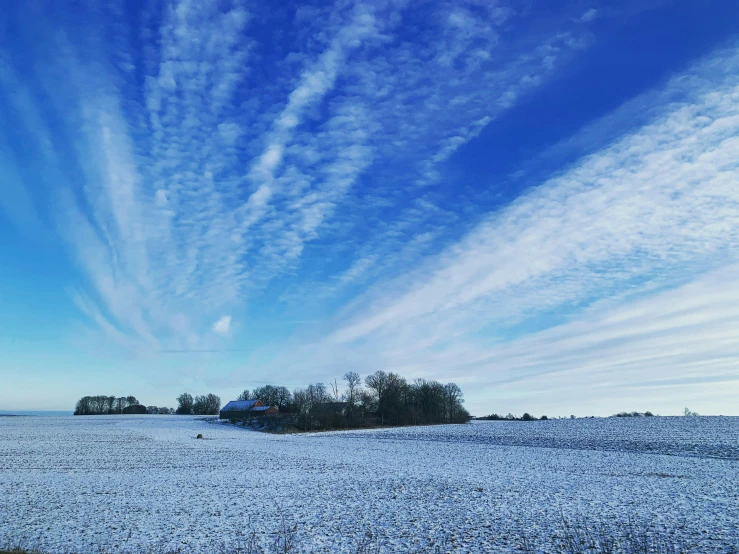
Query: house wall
(235, 415)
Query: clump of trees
(634, 414)
(208, 404)
(104, 405)
(111, 405)
(269, 395)
(510, 417)
(380, 399)
(154, 410)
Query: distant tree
(335, 390)
(283, 397)
(83, 406)
(387, 398)
(528, 417)
(572, 417)
(268, 395)
(378, 384)
(246, 395)
(352, 394)
(510, 416)
(152, 410)
(198, 405)
(453, 398)
(317, 394)
(397, 398)
(648, 414)
(544, 418)
(212, 404)
(103, 404)
(118, 404)
(302, 406)
(209, 404)
(185, 404)
(688, 413)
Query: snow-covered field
(133, 483)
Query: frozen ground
(131, 483)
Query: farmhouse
(238, 409)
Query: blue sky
(538, 202)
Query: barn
(239, 409)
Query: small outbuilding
(239, 409)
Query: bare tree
(283, 397)
(185, 404)
(377, 384)
(317, 394)
(208, 404)
(353, 390)
(453, 398)
(335, 390)
(302, 404)
(212, 404)
(246, 395)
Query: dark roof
(239, 406)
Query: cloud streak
(202, 184)
(654, 202)
(618, 268)
(202, 169)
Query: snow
(133, 483)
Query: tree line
(380, 399)
(510, 417)
(109, 405)
(103, 405)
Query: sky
(537, 201)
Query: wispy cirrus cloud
(572, 284)
(204, 159)
(657, 199)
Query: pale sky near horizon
(537, 202)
